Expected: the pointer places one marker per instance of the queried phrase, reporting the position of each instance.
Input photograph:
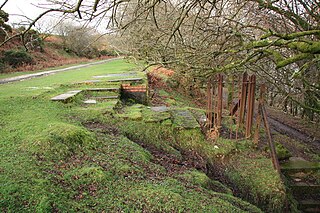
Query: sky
(22, 7)
(31, 9)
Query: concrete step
(106, 97)
(66, 96)
(114, 89)
(304, 188)
(183, 119)
(126, 79)
(300, 165)
(309, 205)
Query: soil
(307, 128)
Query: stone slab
(103, 89)
(107, 97)
(150, 116)
(90, 81)
(125, 79)
(160, 109)
(300, 165)
(90, 101)
(115, 75)
(183, 119)
(66, 96)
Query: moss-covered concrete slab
(304, 188)
(300, 165)
(160, 109)
(117, 75)
(66, 96)
(114, 89)
(132, 113)
(126, 80)
(90, 101)
(183, 119)
(150, 116)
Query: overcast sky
(22, 7)
(30, 9)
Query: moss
(132, 113)
(167, 122)
(282, 152)
(293, 59)
(151, 134)
(257, 44)
(62, 139)
(150, 116)
(183, 119)
(310, 47)
(171, 196)
(257, 180)
(171, 102)
(87, 175)
(201, 179)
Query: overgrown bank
(51, 162)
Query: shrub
(108, 53)
(2, 67)
(17, 58)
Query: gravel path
(45, 73)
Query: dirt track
(282, 128)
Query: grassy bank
(50, 162)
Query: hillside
(51, 52)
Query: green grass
(50, 162)
(14, 74)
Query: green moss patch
(62, 139)
(183, 119)
(257, 180)
(151, 134)
(201, 179)
(172, 196)
(150, 116)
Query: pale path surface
(39, 74)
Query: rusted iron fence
(241, 110)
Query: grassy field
(49, 162)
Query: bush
(2, 67)
(17, 58)
(108, 53)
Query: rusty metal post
(250, 105)
(243, 98)
(258, 120)
(209, 104)
(271, 144)
(242, 102)
(231, 104)
(220, 101)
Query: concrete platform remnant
(66, 96)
